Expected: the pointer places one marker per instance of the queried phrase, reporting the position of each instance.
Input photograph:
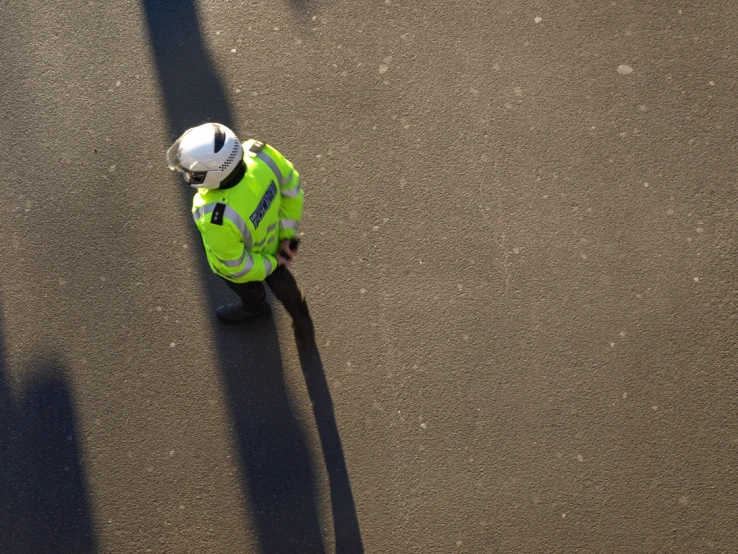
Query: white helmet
(205, 155)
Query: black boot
(238, 311)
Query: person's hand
(286, 254)
(284, 249)
(282, 261)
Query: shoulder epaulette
(257, 147)
(218, 211)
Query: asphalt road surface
(519, 248)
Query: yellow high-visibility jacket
(242, 226)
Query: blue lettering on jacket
(263, 206)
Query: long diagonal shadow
(276, 462)
(44, 504)
(345, 523)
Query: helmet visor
(175, 164)
(173, 160)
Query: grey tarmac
(519, 249)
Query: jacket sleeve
(229, 258)
(290, 206)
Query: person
(247, 208)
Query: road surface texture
(519, 248)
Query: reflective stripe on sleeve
(288, 224)
(291, 187)
(246, 268)
(264, 157)
(234, 263)
(294, 192)
(203, 210)
(267, 266)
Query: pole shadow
(277, 467)
(187, 77)
(44, 504)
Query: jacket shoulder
(255, 146)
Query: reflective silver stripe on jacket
(203, 210)
(264, 157)
(231, 214)
(288, 224)
(234, 263)
(291, 189)
(292, 193)
(267, 266)
(246, 268)
(271, 228)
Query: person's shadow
(345, 523)
(44, 504)
(276, 462)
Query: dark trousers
(284, 287)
